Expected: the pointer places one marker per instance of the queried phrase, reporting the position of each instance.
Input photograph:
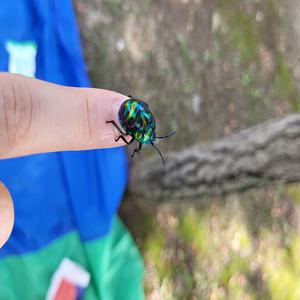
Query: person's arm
(38, 117)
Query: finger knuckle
(16, 113)
(88, 120)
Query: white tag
(70, 271)
(22, 57)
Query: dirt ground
(207, 68)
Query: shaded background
(207, 69)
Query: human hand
(38, 117)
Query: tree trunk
(258, 156)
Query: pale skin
(39, 117)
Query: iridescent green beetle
(137, 120)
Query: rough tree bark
(258, 156)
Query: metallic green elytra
(138, 122)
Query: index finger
(38, 116)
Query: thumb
(38, 116)
(6, 214)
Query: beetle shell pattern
(137, 120)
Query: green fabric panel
(28, 276)
(114, 263)
(119, 273)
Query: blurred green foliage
(211, 253)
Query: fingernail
(115, 107)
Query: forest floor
(207, 68)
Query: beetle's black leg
(115, 124)
(134, 151)
(131, 141)
(137, 150)
(117, 139)
(122, 137)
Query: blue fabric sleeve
(57, 192)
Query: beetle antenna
(166, 136)
(159, 153)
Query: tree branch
(258, 156)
